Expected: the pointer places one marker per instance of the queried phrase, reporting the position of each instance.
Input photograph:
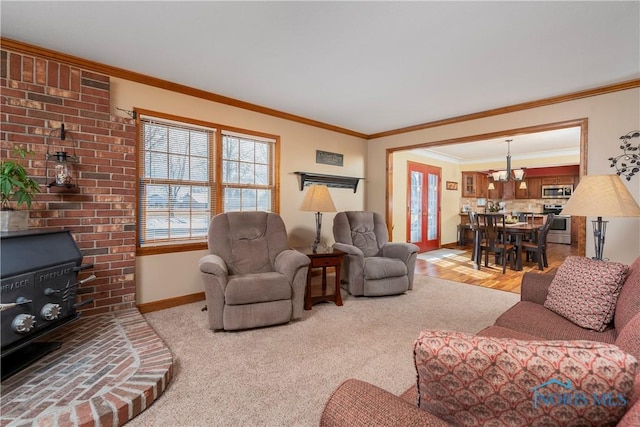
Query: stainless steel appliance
(560, 231)
(562, 191)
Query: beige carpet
(283, 375)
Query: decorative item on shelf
(16, 185)
(61, 166)
(601, 195)
(317, 200)
(627, 164)
(334, 181)
(508, 174)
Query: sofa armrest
(358, 403)
(535, 286)
(399, 250)
(289, 261)
(349, 249)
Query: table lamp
(601, 195)
(317, 200)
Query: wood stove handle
(20, 301)
(80, 304)
(83, 267)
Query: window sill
(171, 248)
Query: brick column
(38, 95)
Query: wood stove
(38, 273)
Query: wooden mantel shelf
(335, 181)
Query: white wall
(609, 117)
(166, 276)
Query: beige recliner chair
(373, 266)
(252, 278)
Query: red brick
(52, 73)
(120, 405)
(86, 106)
(47, 115)
(84, 415)
(26, 86)
(62, 93)
(93, 76)
(65, 77)
(94, 99)
(41, 71)
(27, 68)
(75, 80)
(15, 66)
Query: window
(189, 171)
(246, 174)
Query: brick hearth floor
(109, 369)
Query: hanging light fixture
(508, 174)
(60, 168)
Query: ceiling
(368, 67)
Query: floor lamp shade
(601, 196)
(317, 200)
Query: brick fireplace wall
(38, 95)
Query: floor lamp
(601, 196)
(317, 200)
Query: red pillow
(585, 291)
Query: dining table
(520, 230)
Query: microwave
(557, 191)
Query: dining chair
(537, 248)
(491, 227)
(475, 231)
(524, 217)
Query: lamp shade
(318, 199)
(601, 196)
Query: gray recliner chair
(251, 277)
(373, 266)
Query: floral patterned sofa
(566, 354)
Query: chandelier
(508, 174)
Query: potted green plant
(16, 185)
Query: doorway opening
(397, 187)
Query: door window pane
(416, 206)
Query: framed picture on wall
(452, 185)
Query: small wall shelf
(335, 181)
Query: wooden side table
(323, 258)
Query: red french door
(423, 205)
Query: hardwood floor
(460, 268)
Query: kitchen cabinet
(556, 180)
(502, 191)
(482, 185)
(469, 184)
(496, 193)
(508, 190)
(533, 190)
(474, 184)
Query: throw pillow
(585, 291)
(474, 380)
